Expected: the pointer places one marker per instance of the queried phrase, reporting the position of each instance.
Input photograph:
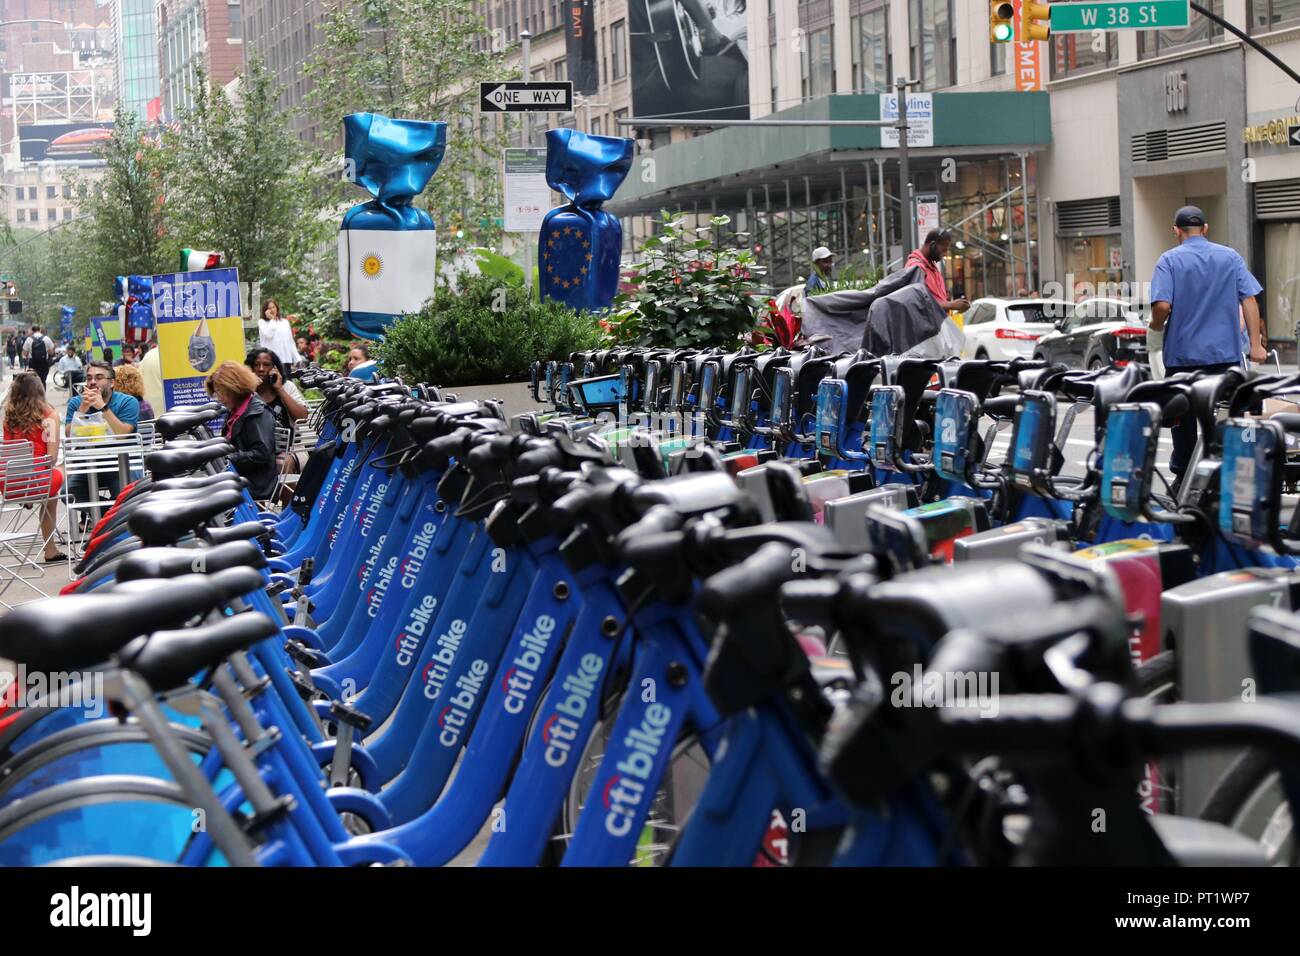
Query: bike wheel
(1249, 798)
(688, 771)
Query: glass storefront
(1090, 263)
(1282, 278)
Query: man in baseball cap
(1200, 292)
(823, 261)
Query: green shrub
(689, 290)
(487, 332)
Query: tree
(420, 59)
(238, 182)
(124, 225)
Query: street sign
(1140, 15)
(527, 194)
(541, 97)
(920, 119)
(927, 212)
(1293, 137)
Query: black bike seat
(166, 522)
(1288, 420)
(124, 512)
(193, 483)
(1001, 407)
(173, 562)
(167, 659)
(244, 531)
(187, 444)
(1113, 389)
(226, 585)
(174, 462)
(177, 422)
(80, 630)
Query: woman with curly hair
(29, 417)
(250, 426)
(131, 382)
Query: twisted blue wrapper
(580, 245)
(136, 293)
(393, 160)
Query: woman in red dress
(29, 417)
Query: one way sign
(526, 97)
(1293, 137)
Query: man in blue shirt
(121, 412)
(1199, 293)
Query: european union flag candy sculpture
(580, 244)
(387, 247)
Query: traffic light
(1001, 13)
(1031, 21)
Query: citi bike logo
(561, 728)
(408, 638)
(367, 516)
(375, 596)
(372, 558)
(453, 716)
(626, 789)
(414, 561)
(519, 678)
(436, 671)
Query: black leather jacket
(253, 436)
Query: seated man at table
(121, 412)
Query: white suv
(1004, 329)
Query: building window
(50, 192)
(776, 102)
(1152, 43)
(31, 192)
(67, 212)
(51, 214)
(817, 64)
(236, 12)
(604, 55)
(1076, 53)
(618, 44)
(595, 126)
(869, 45)
(1266, 15)
(934, 47)
(561, 69)
(22, 215)
(67, 192)
(1282, 278)
(998, 58)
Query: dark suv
(1095, 333)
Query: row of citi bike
(699, 608)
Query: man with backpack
(38, 349)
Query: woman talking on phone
(279, 394)
(250, 426)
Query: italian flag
(196, 260)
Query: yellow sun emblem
(372, 265)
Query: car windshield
(1046, 312)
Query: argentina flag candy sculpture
(387, 247)
(580, 244)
